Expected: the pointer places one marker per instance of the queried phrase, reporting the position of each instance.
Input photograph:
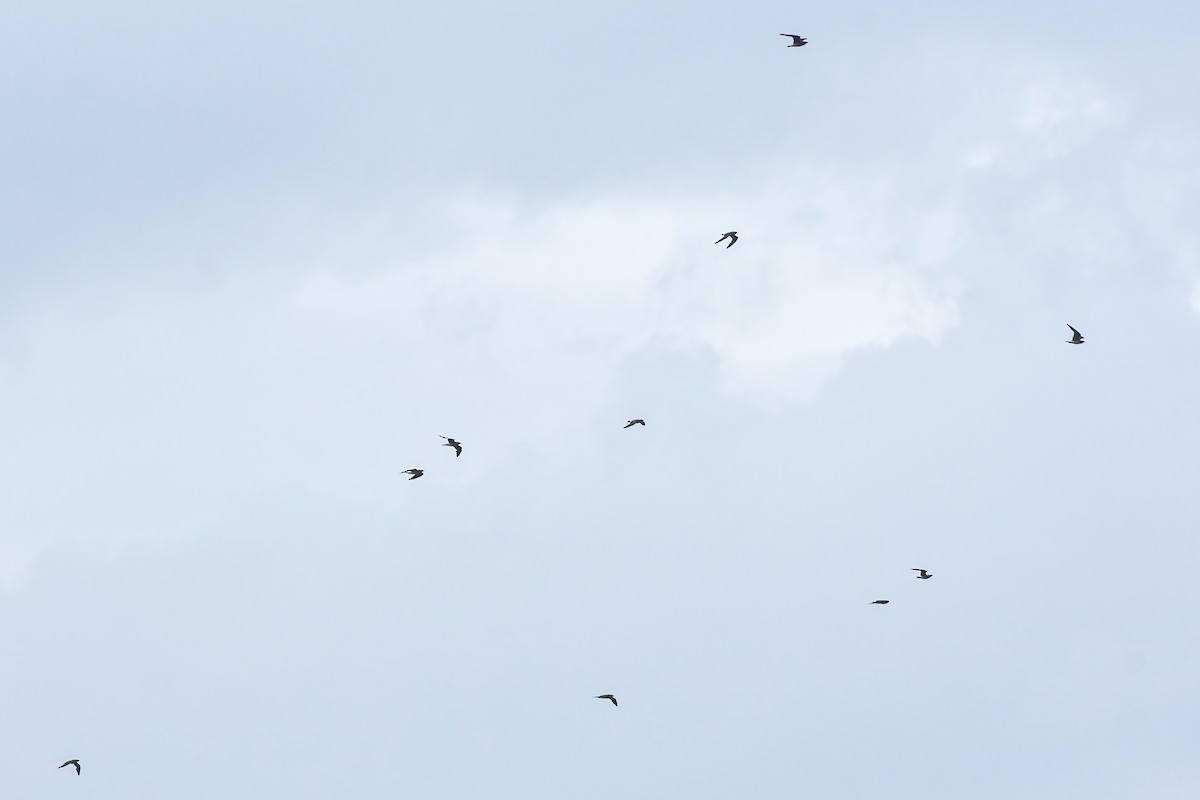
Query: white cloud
(149, 412)
(826, 266)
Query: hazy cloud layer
(259, 258)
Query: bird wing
(457, 450)
(1078, 335)
(78, 769)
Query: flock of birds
(922, 574)
(732, 236)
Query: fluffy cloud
(825, 266)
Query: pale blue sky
(256, 258)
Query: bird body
(633, 422)
(73, 762)
(925, 574)
(731, 236)
(797, 41)
(416, 473)
(457, 445)
(1077, 338)
(880, 602)
(607, 697)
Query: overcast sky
(255, 258)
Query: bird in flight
(633, 422)
(880, 602)
(416, 473)
(797, 41)
(457, 445)
(925, 575)
(732, 236)
(74, 761)
(607, 697)
(1077, 338)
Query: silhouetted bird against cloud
(633, 422)
(607, 697)
(880, 602)
(74, 761)
(924, 574)
(1077, 338)
(732, 236)
(457, 445)
(797, 41)
(416, 473)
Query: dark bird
(74, 761)
(797, 41)
(880, 602)
(633, 422)
(607, 697)
(732, 236)
(416, 473)
(1077, 338)
(925, 575)
(457, 445)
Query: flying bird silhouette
(457, 445)
(607, 697)
(925, 575)
(797, 41)
(732, 236)
(1077, 338)
(633, 422)
(880, 602)
(74, 761)
(416, 473)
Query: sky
(256, 258)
